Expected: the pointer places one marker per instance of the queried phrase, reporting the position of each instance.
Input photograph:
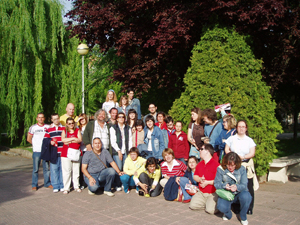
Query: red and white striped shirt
(55, 133)
(177, 169)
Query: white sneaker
(55, 190)
(136, 191)
(244, 222)
(128, 192)
(224, 217)
(91, 193)
(108, 193)
(118, 189)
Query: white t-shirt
(108, 105)
(240, 146)
(149, 134)
(38, 133)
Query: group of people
(118, 150)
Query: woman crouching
(232, 176)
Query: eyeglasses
(121, 117)
(201, 149)
(70, 123)
(242, 127)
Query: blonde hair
(168, 151)
(231, 121)
(114, 94)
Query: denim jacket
(136, 105)
(157, 140)
(238, 177)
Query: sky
(67, 7)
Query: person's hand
(227, 187)
(133, 129)
(186, 160)
(120, 155)
(167, 177)
(202, 179)
(88, 147)
(121, 173)
(135, 173)
(204, 184)
(177, 180)
(144, 187)
(52, 142)
(233, 188)
(206, 141)
(92, 181)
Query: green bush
(223, 69)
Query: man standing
(134, 103)
(152, 109)
(98, 128)
(54, 133)
(35, 137)
(96, 172)
(113, 116)
(70, 113)
(205, 174)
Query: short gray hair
(98, 112)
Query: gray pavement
(275, 203)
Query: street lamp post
(82, 49)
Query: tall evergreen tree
(223, 69)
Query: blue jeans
(106, 178)
(127, 181)
(183, 181)
(56, 174)
(120, 163)
(244, 198)
(36, 157)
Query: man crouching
(95, 170)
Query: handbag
(193, 150)
(225, 194)
(73, 154)
(191, 189)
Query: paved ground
(274, 204)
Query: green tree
(38, 64)
(224, 69)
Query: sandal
(65, 192)
(78, 190)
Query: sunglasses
(70, 123)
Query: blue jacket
(157, 140)
(136, 105)
(49, 152)
(224, 135)
(171, 189)
(238, 177)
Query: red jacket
(179, 145)
(163, 125)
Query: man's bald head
(70, 109)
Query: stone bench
(282, 167)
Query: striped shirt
(55, 133)
(177, 169)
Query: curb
(17, 152)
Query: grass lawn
(287, 147)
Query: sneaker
(91, 193)
(34, 188)
(224, 217)
(62, 190)
(118, 189)
(82, 187)
(108, 193)
(55, 190)
(136, 191)
(50, 186)
(244, 222)
(186, 201)
(147, 195)
(128, 192)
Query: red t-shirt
(209, 171)
(64, 151)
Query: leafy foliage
(38, 64)
(224, 69)
(156, 37)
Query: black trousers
(145, 179)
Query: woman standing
(232, 176)
(161, 116)
(71, 137)
(110, 102)
(132, 118)
(229, 124)
(244, 146)
(123, 105)
(195, 132)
